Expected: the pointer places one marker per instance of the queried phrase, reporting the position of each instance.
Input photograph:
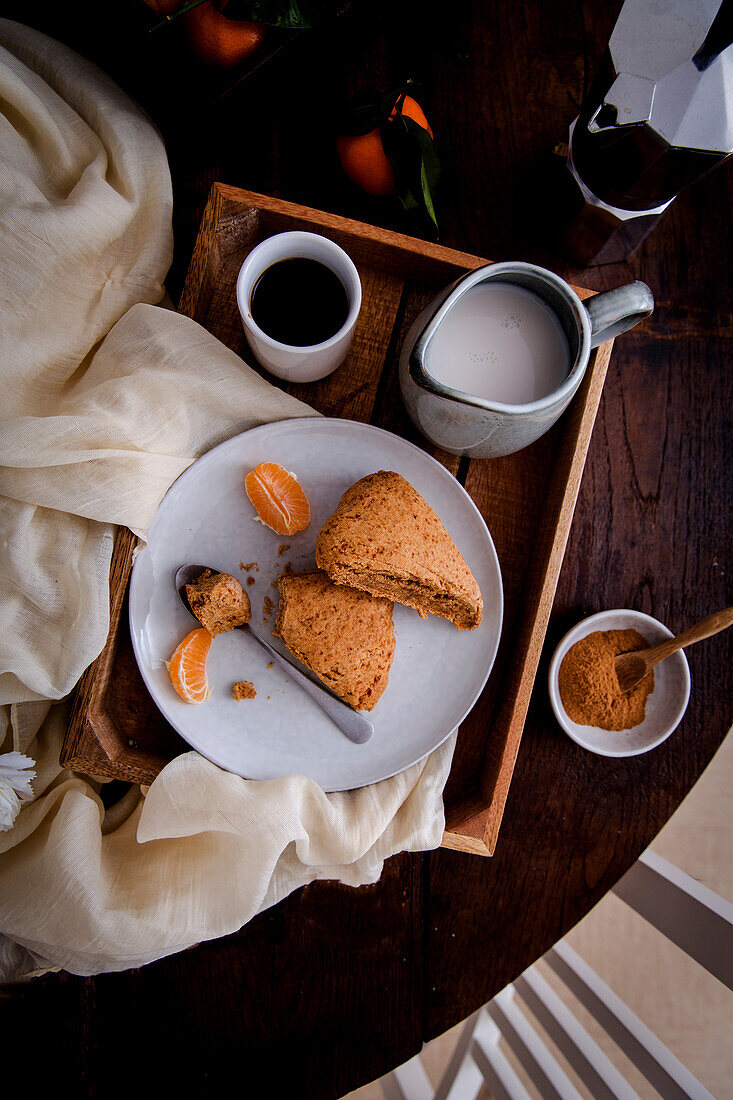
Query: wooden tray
(527, 500)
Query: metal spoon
(356, 727)
(633, 667)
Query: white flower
(16, 772)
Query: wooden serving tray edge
(478, 832)
(472, 824)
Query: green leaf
(414, 160)
(429, 165)
(368, 112)
(175, 14)
(291, 14)
(427, 197)
(359, 119)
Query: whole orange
(219, 40)
(363, 158)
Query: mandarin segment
(187, 666)
(278, 498)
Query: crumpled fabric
(97, 422)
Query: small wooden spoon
(633, 667)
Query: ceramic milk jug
(496, 357)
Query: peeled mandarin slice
(278, 498)
(187, 666)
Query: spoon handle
(713, 624)
(356, 727)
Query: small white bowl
(664, 707)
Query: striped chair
(692, 916)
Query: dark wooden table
(334, 986)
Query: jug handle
(615, 311)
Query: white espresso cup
(298, 364)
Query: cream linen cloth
(107, 397)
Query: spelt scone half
(385, 539)
(345, 636)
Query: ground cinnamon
(589, 687)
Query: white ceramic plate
(664, 707)
(437, 674)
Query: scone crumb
(282, 548)
(247, 565)
(251, 580)
(243, 689)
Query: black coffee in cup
(299, 302)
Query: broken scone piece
(218, 601)
(386, 540)
(244, 689)
(344, 636)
